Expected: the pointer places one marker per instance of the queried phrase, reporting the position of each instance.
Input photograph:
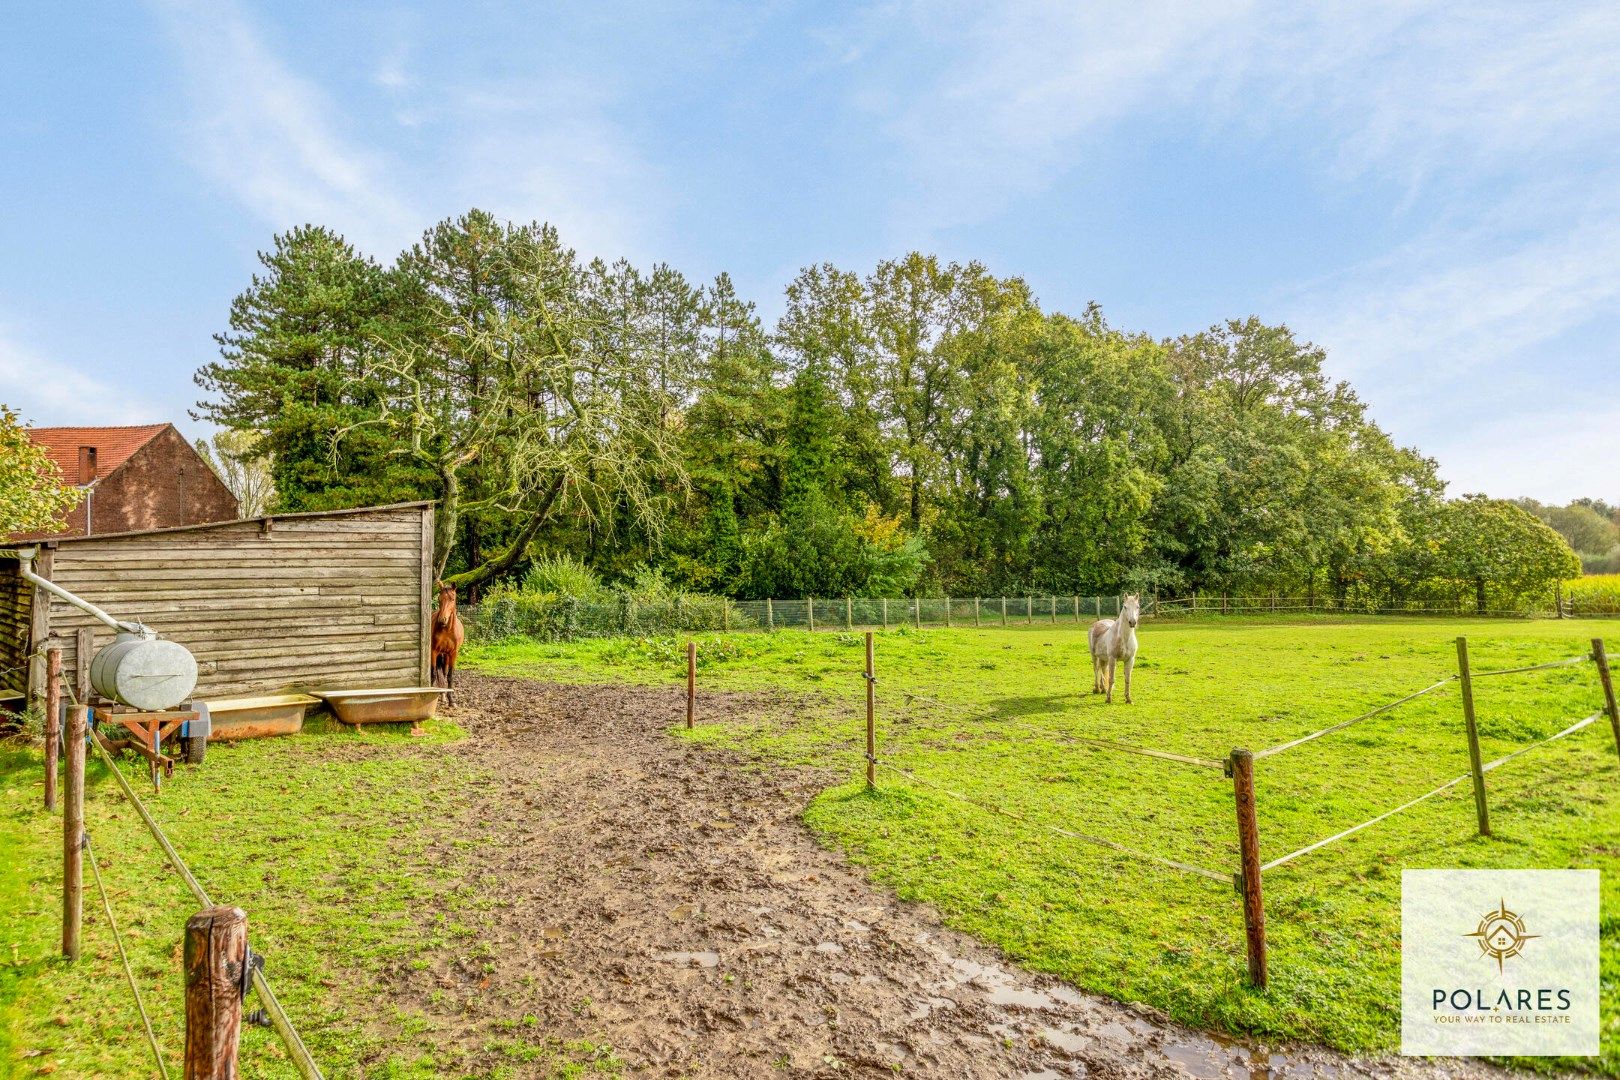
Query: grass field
(322, 846)
(308, 838)
(985, 713)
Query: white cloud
(269, 137)
(991, 102)
(1501, 121)
(541, 149)
(49, 392)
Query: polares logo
(1479, 976)
(1501, 934)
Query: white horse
(1114, 641)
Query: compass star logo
(1501, 934)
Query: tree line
(925, 427)
(1590, 526)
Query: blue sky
(1429, 191)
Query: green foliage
(632, 418)
(292, 367)
(563, 575)
(1493, 543)
(33, 496)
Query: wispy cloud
(48, 391)
(269, 138)
(540, 149)
(1500, 124)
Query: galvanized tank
(144, 672)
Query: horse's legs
(1109, 700)
(1096, 674)
(1130, 663)
(450, 680)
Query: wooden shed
(336, 600)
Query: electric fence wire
(1571, 662)
(1368, 715)
(301, 1057)
(1063, 736)
(129, 973)
(1447, 786)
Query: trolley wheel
(193, 748)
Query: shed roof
(52, 541)
(114, 446)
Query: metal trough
(397, 705)
(259, 717)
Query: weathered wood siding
(16, 607)
(310, 602)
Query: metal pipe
(25, 558)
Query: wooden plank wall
(16, 606)
(328, 602)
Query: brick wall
(163, 484)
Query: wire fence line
(551, 617)
(1571, 662)
(564, 618)
(1447, 786)
(1368, 715)
(302, 1059)
(1069, 737)
(129, 972)
(976, 712)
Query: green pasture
(324, 838)
(988, 714)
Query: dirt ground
(667, 900)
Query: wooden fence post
(84, 642)
(916, 612)
(1029, 611)
(770, 614)
(1254, 908)
(1003, 611)
(849, 614)
(885, 613)
(871, 728)
(810, 611)
(53, 717)
(216, 952)
(1558, 598)
(976, 621)
(1475, 764)
(947, 611)
(1052, 603)
(1077, 611)
(691, 682)
(73, 833)
(725, 615)
(1602, 659)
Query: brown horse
(448, 634)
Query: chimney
(87, 464)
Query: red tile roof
(114, 446)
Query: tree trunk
(1479, 595)
(519, 547)
(446, 519)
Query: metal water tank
(144, 672)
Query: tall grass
(1595, 594)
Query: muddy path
(666, 900)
